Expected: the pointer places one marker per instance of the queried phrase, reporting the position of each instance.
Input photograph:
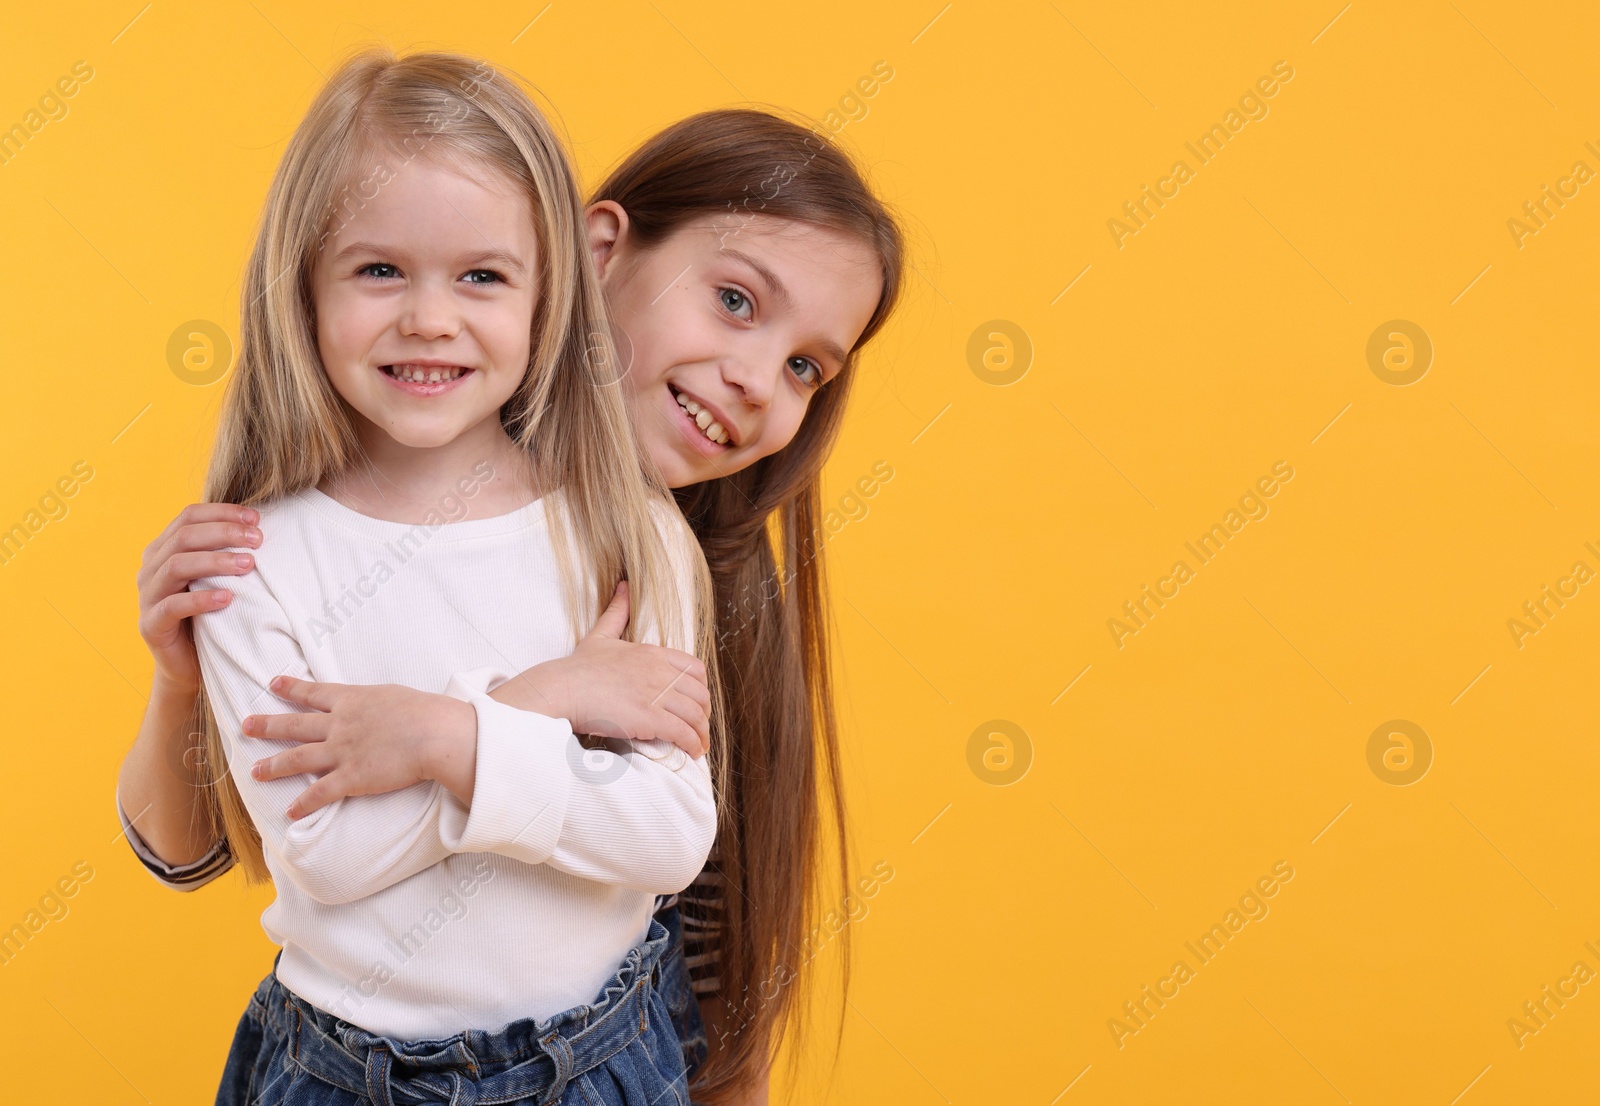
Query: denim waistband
(477, 1067)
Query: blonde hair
(283, 427)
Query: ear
(608, 226)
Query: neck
(481, 470)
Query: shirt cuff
(521, 783)
(468, 685)
(180, 877)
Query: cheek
(508, 328)
(650, 346)
(346, 326)
(783, 423)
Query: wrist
(171, 711)
(168, 689)
(538, 690)
(452, 741)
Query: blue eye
(735, 301)
(382, 270)
(802, 365)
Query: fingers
(287, 727)
(173, 575)
(308, 693)
(314, 759)
(690, 729)
(199, 516)
(695, 689)
(205, 512)
(685, 662)
(683, 735)
(613, 621)
(161, 621)
(685, 683)
(330, 788)
(214, 535)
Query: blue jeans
(619, 1050)
(676, 989)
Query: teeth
(703, 419)
(420, 375)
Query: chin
(676, 472)
(676, 476)
(422, 437)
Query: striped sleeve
(179, 877)
(700, 905)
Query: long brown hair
(283, 426)
(780, 773)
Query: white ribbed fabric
(406, 913)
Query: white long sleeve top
(407, 913)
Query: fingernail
(253, 536)
(221, 597)
(255, 770)
(248, 515)
(242, 560)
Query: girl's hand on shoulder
(360, 739)
(189, 548)
(615, 688)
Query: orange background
(1160, 377)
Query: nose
(754, 378)
(429, 311)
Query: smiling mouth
(425, 381)
(709, 428)
(425, 374)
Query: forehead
(423, 198)
(801, 244)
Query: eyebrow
(781, 293)
(502, 257)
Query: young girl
(697, 321)
(479, 909)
